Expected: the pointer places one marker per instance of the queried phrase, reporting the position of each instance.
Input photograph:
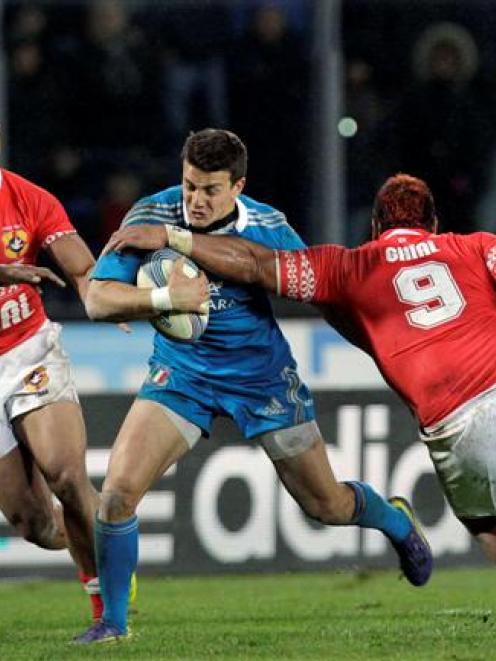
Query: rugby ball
(154, 272)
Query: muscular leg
(309, 479)
(147, 444)
(56, 437)
(27, 502)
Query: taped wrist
(161, 300)
(180, 240)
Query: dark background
(99, 96)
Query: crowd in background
(420, 78)
(102, 94)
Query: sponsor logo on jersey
(15, 310)
(217, 302)
(159, 375)
(274, 407)
(214, 288)
(37, 380)
(15, 242)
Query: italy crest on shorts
(159, 376)
(15, 243)
(37, 380)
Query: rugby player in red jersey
(421, 304)
(42, 433)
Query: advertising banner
(105, 359)
(223, 509)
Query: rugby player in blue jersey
(241, 367)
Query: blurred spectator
(29, 23)
(298, 13)
(122, 189)
(69, 176)
(35, 108)
(193, 40)
(115, 71)
(444, 123)
(368, 158)
(64, 173)
(269, 90)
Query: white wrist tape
(160, 298)
(180, 240)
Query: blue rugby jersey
(242, 341)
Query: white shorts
(33, 374)
(463, 450)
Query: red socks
(91, 586)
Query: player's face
(209, 196)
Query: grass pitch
(314, 617)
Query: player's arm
(73, 256)
(234, 258)
(111, 300)
(229, 257)
(12, 274)
(310, 275)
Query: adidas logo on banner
(274, 407)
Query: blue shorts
(278, 403)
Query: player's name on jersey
(410, 251)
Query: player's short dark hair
(404, 201)
(210, 150)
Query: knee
(117, 503)
(39, 528)
(67, 484)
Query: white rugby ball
(154, 272)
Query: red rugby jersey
(422, 305)
(30, 219)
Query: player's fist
(12, 274)
(188, 294)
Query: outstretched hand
(141, 237)
(188, 294)
(11, 274)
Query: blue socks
(372, 511)
(116, 558)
